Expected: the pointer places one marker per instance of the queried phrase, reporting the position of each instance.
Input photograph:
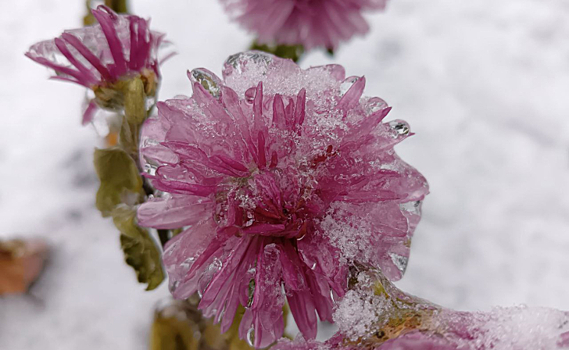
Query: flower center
(268, 203)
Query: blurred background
(484, 85)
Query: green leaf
(120, 179)
(139, 248)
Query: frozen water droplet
(207, 277)
(251, 336)
(187, 263)
(250, 94)
(400, 128)
(251, 292)
(332, 297)
(399, 261)
(347, 84)
(238, 63)
(208, 80)
(216, 265)
(313, 266)
(150, 169)
(249, 223)
(220, 315)
(413, 207)
(375, 104)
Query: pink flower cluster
(118, 47)
(312, 23)
(283, 178)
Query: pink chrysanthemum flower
(284, 178)
(312, 23)
(99, 56)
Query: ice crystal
(359, 310)
(515, 328)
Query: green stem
(119, 6)
(135, 114)
(293, 52)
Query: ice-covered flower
(99, 57)
(283, 178)
(312, 23)
(399, 321)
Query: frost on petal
(181, 253)
(174, 212)
(288, 179)
(513, 328)
(357, 313)
(263, 321)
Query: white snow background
(483, 83)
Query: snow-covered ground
(483, 83)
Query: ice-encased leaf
(140, 250)
(120, 180)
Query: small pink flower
(119, 47)
(284, 178)
(312, 23)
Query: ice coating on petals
(312, 23)
(118, 45)
(286, 177)
(117, 48)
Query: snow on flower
(283, 178)
(312, 23)
(99, 56)
(374, 314)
